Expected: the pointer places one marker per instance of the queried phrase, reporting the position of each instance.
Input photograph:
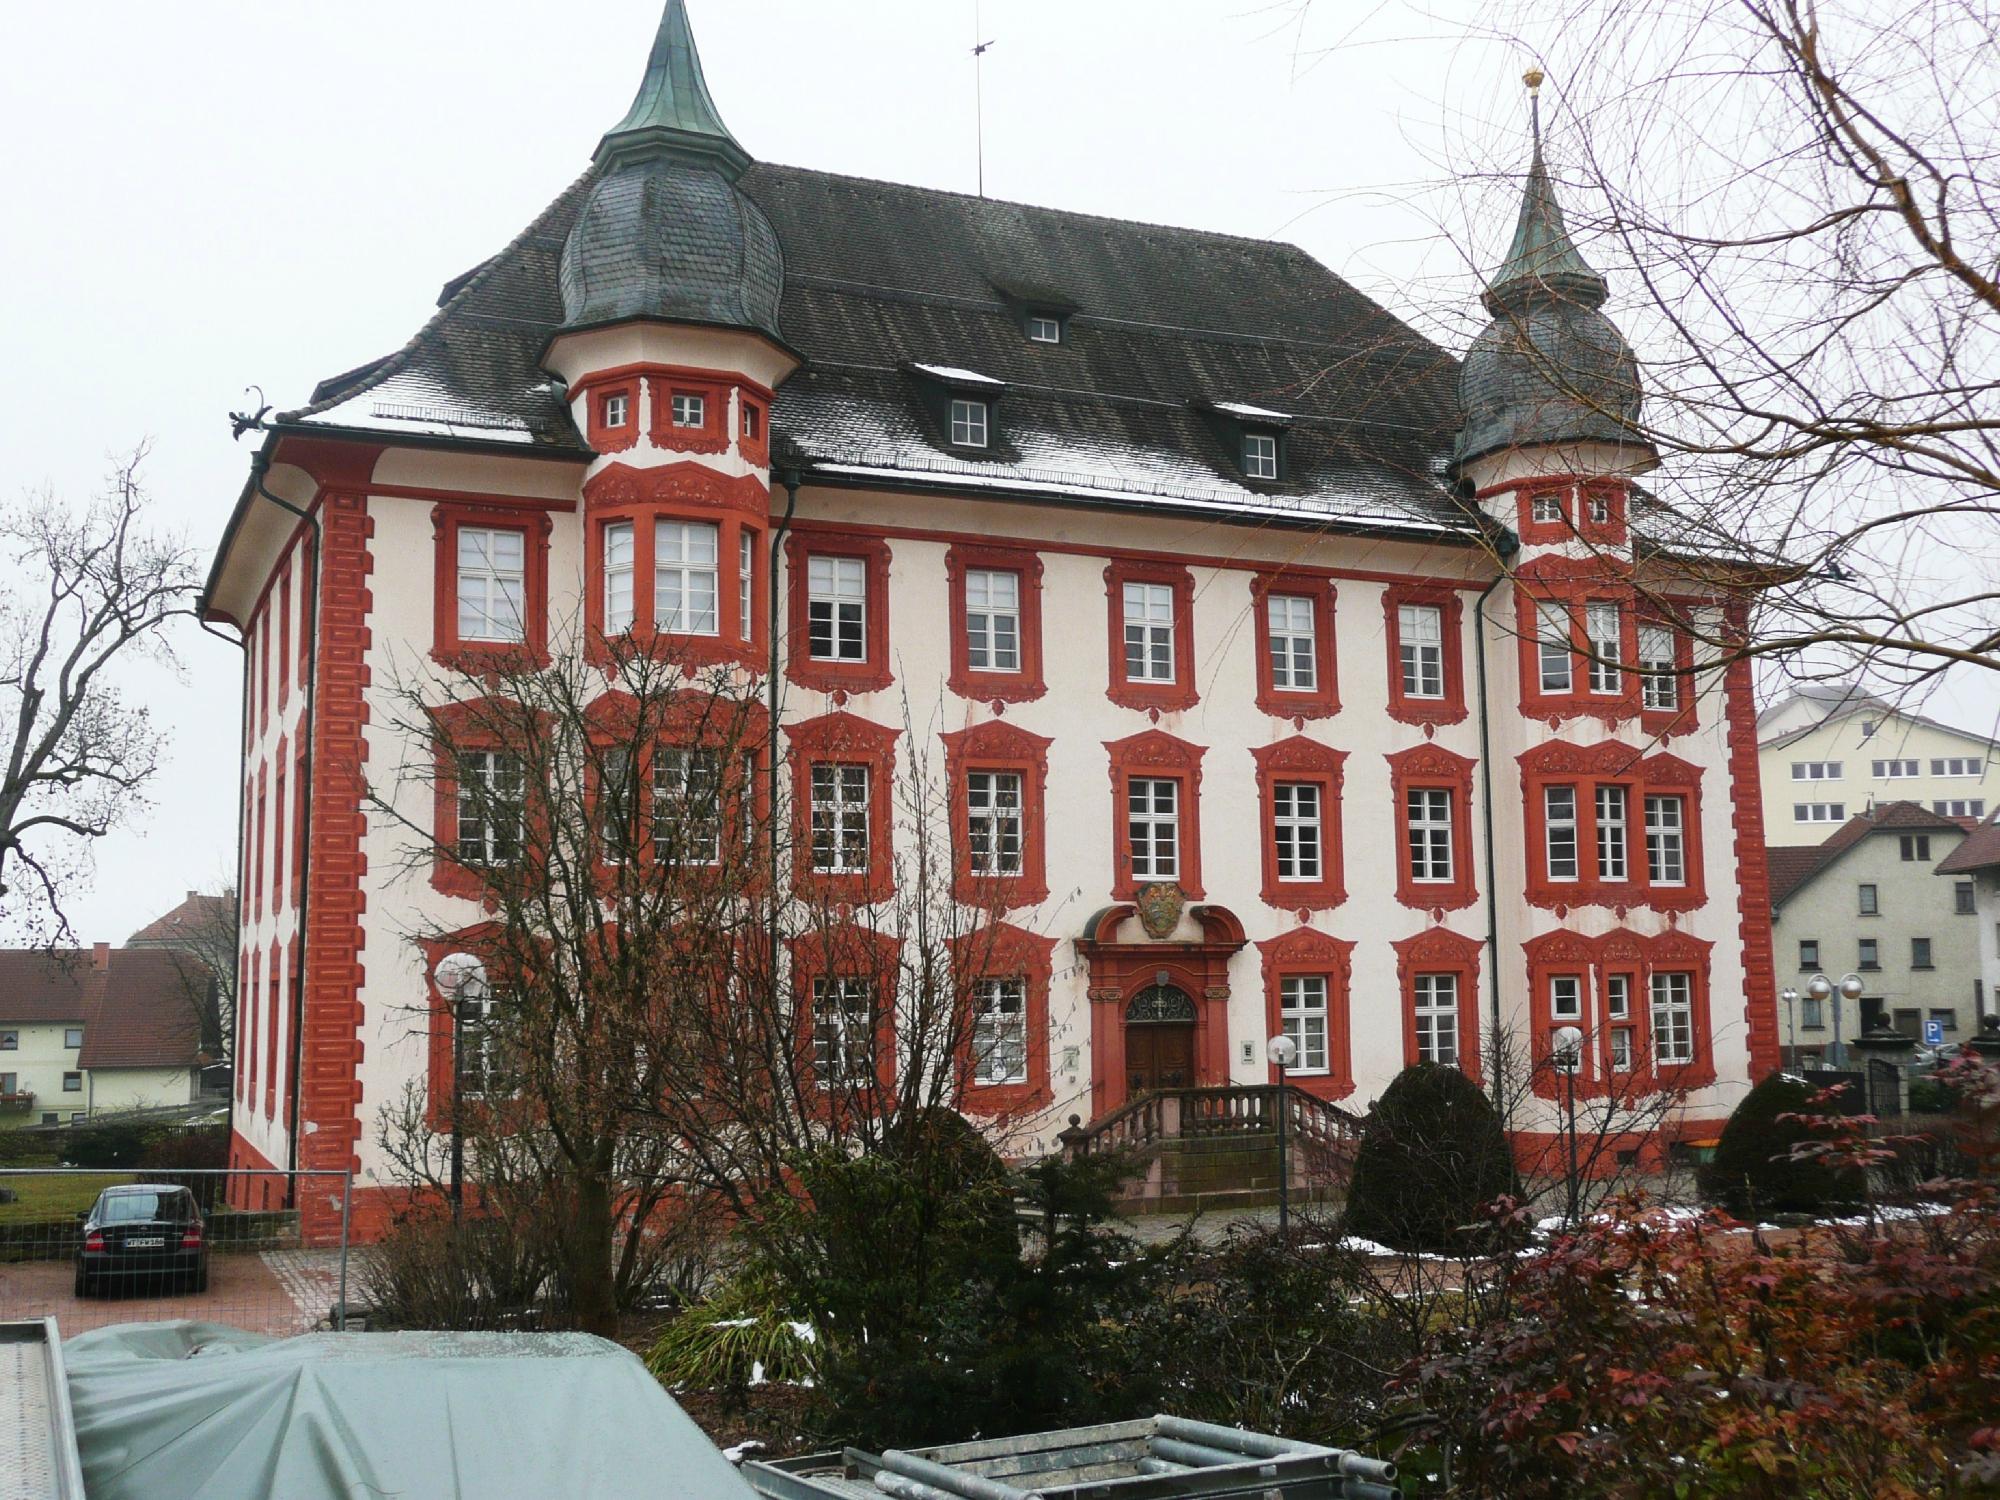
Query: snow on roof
(958, 376)
(1240, 409)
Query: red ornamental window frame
(663, 383)
(842, 738)
(1439, 950)
(873, 673)
(1158, 697)
(1595, 961)
(1673, 615)
(596, 394)
(1156, 754)
(1300, 760)
(1573, 495)
(534, 523)
(1027, 684)
(685, 723)
(1586, 767)
(1432, 767)
(1003, 951)
(440, 1075)
(755, 448)
(642, 498)
(847, 951)
(999, 746)
(459, 727)
(1305, 952)
(1323, 700)
(1427, 712)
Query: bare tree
(206, 946)
(692, 982)
(87, 593)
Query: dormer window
(968, 423)
(617, 410)
(689, 410)
(1260, 455)
(1044, 328)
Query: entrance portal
(1159, 1040)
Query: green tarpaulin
(167, 1410)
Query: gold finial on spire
(1533, 79)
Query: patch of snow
(741, 1451)
(734, 1323)
(1240, 409)
(1371, 1247)
(803, 1332)
(958, 376)
(757, 1372)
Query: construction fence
(96, 1247)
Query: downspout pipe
(260, 470)
(1505, 545)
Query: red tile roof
(134, 1010)
(191, 914)
(1980, 851)
(1792, 867)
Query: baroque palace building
(1296, 668)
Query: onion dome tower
(666, 233)
(1550, 387)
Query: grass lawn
(62, 1196)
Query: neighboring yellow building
(90, 1034)
(1830, 753)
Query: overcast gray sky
(206, 195)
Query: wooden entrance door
(1159, 1041)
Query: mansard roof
(879, 277)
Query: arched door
(1159, 1040)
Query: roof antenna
(979, 49)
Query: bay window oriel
(1580, 798)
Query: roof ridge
(394, 362)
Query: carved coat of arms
(1160, 909)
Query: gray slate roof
(880, 276)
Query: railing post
(1075, 1141)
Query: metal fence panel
(246, 1267)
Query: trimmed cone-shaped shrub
(1432, 1157)
(1753, 1171)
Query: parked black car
(145, 1235)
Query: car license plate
(152, 1242)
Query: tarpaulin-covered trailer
(1151, 1459)
(172, 1410)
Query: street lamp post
(1284, 1052)
(459, 978)
(1791, 998)
(1820, 988)
(1567, 1049)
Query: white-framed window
(1260, 455)
(618, 565)
(1613, 835)
(1149, 632)
(1552, 648)
(1618, 997)
(689, 411)
(1601, 622)
(1673, 1019)
(1153, 827)
(616, 410)
(837, 608)
(1000, 1031)
(1294, 643)
(1819, 812)
(993, 816)
(753, 421)
(1043, 329)
(685, 564)
(746, 579)
(843, 1032)
(687, 806)
(617, 802)
(1428, 813)
(1817, 770)
(968, 423)
(1896, 770)
(489, 807)
(840, 819)
(492, 584)
(1621, 1049)
(1420, 645)
(1660, 689)
(1559, 826)
(1437, 1018)
(480, 1070)
(1295, 816)
(1957, 765)
(1960, 807)
(1666, 839)
(1566, 997)
(1600, 509)
(1545, 509)
(72, 1038)
(992, 620)
(1302, 1011)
